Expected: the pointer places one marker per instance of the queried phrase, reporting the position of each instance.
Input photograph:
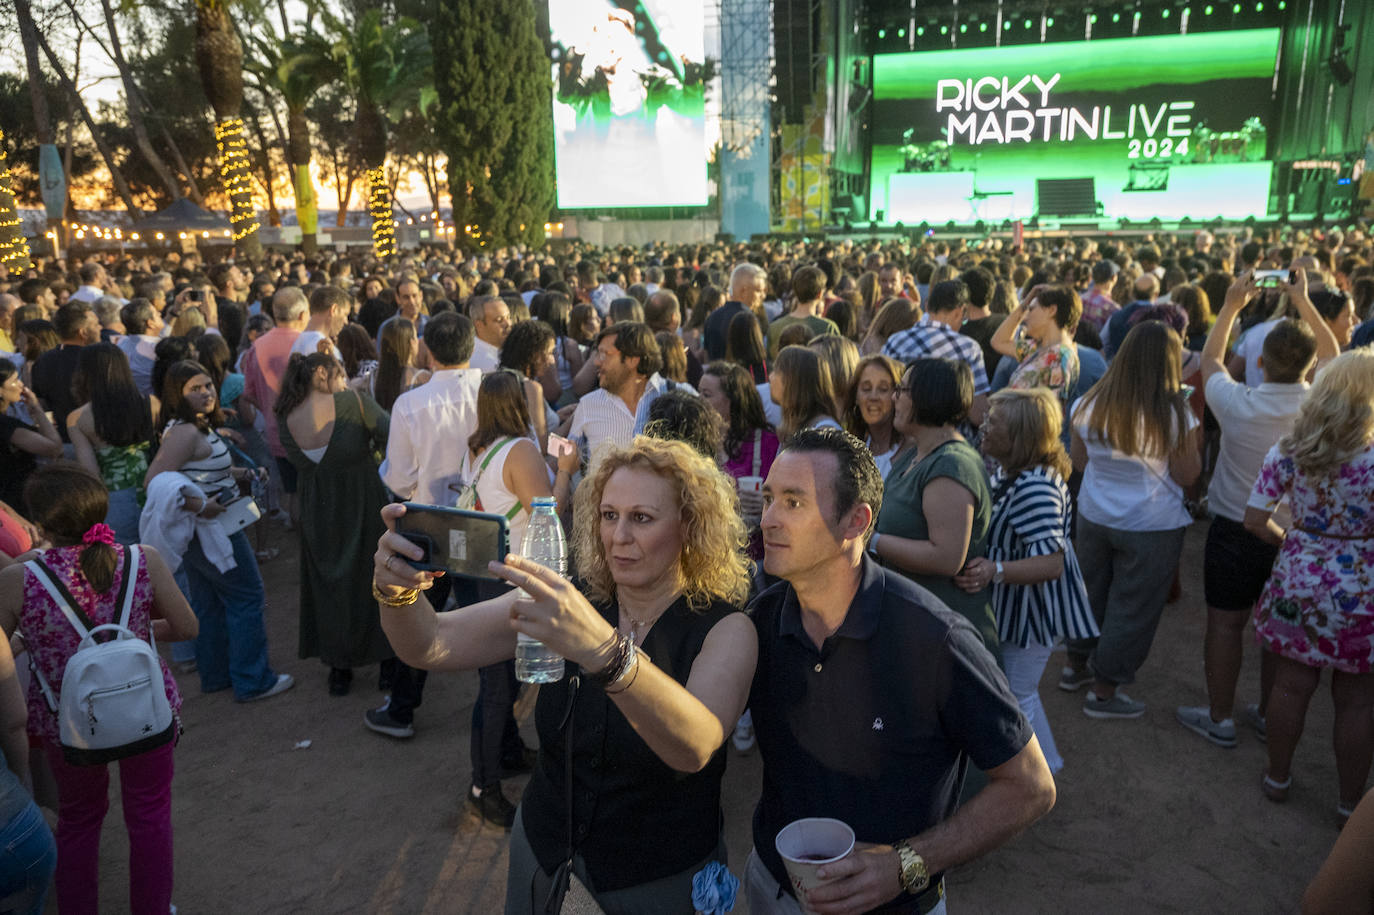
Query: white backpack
(113, 703)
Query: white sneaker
(743, 738)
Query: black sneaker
(493, 807)
(340, 679)
(381, 721)
(520, 764)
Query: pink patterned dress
(1318, 606)
(53, 641)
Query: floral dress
(1318, 606)
(52, 641)
(1054, 367)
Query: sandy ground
(1150, 818)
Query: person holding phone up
(660, 664)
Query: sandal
(267, 554)
(1276, 791)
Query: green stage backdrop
(1167, 126)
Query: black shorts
(288, 475)
(1235, 566)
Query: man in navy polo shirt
(870, 700)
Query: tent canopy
(183, 216)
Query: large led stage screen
(629, 103)
(1165, 126)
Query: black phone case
(455, 541)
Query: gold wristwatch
(914, 876)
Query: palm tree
(295, 69)
(219, 55)
(388, 68)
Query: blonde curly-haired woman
(1318, 608)
(661, 662)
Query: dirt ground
(1150, 818)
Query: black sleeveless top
(635, 819)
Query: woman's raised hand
(556, 613)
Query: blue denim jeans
(28, 858)
(231, 649)
(123, 514)
(183, 651)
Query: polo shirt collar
(860, 622)
(1278, 387)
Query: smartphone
(455, 541)
(1272, 279)
(559, 446)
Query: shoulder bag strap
(758, 451)
(61, 597)
(491, 453)
(126, 587)
(553, 903)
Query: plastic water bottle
(544, 544)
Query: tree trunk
(379, 205)
(120, 185)
(307, 208)
(133, 102)
(219, 55)
(42, 118)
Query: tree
(42, 121)
(491, 75)
(331, 116)
(387, 68)
(219, 55)
(296, 69)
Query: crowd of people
(835, 503)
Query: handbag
(238, 514)
(377, 451)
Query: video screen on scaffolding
(629, 83)
(1166, 126)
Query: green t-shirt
(817, 325)
(903, 516)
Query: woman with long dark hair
(801, 385)
(507, 472)
(744, 346)
(112, 432)
(1136, 441)
(529, 351)
(330, 434)
(870, 405)
(396, 372)
(555, 310)
(226, 590)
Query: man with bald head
(1145, 291)
(263, 368)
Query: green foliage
(491, 73)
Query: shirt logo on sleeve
(877, 724)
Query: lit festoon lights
(14, 248)
(379, 205)
(236, 177)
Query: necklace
(637, 627)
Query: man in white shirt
(428, 438)
(93, 280)
(143, 330)
(627, 362)
(328, 314)
(409, 301)
(1236, 563)
(491, 319)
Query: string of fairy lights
(14, 248)
(236, 176)
(383, 221)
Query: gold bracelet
(407, 596)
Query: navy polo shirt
(877, 726)
(716, 327)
